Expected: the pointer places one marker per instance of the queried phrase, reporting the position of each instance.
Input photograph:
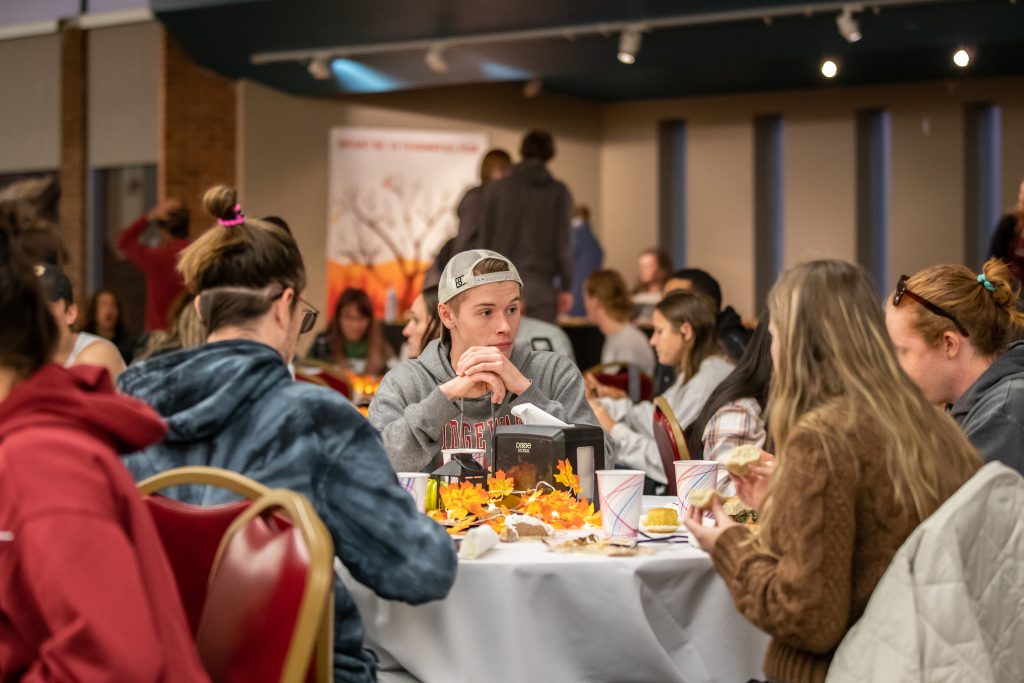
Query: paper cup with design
(621, 495)
(416, 484)
(694, 474)
(478, 454)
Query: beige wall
(124, 78)
(283, 162)
(30, 113)
(819, 161)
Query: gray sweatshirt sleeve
(412, 427)
(562, 393)
(998, 435)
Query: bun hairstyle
(28, 335)
(987, 308)
(683, 306)
(240, 265)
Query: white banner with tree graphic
(393, 194)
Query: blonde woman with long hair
(862, 459)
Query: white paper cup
(694, 474)
(621, 495)
(479, 454)
(416, 484)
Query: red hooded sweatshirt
(86, 593)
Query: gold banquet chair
(670, 441)
(261, 602)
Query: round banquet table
(523, 614)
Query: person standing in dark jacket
(950, 327)
(232, 403)
(526, 217)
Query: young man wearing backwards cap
(466, 383)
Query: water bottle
(390, 306)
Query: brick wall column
(73, 161)
(197, 131)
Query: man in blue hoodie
(232, 403)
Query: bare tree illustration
(400, 221)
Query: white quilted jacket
(950, 607)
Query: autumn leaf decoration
(464, 504)
(565, 476)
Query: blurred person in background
(158, 262)
(653, 267)
(587, 257)
(104, 317)
(424, 323)
(74, 348)
(1008, 239)
(732, 334)
(609, 307)
(354, 340)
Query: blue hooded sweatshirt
(234, 405)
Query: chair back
(269, 602)
(191, 534)
(669, 438)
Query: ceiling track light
(435, 60)
(848, 27)
(319, 67)
(629, 44)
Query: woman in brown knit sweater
(863, 458)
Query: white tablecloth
(523, 614)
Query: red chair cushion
(668, 449)
(253, 602)
(620, 380)
(190, 536)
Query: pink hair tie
(238, 219)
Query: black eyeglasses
(902, 290)
(309, 316)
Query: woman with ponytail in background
(86, 593)
(954, 333)
(231, 403)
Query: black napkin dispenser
(530, 454)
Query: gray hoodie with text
(417, 421)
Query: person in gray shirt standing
(526, 217)
(465, 384)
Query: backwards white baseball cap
(458, 276)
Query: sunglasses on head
(902, 290)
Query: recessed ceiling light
(829, 68)
(962, 58)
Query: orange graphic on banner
(375, 280)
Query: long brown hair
(89, 322)
(434, 326)
(28, 334)
(376, 348)
(681, 307)
(991, 317)
(240, 265)
(832, 344)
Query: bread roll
(703, 499)
(741, 458)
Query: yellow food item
(662, 517)
(741, 458)
(703, 499)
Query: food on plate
(522, 527)
(703, 499)
(594, 545)
(663, 517)
(740, 459)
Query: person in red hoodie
(158, 263)
(86, 592)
